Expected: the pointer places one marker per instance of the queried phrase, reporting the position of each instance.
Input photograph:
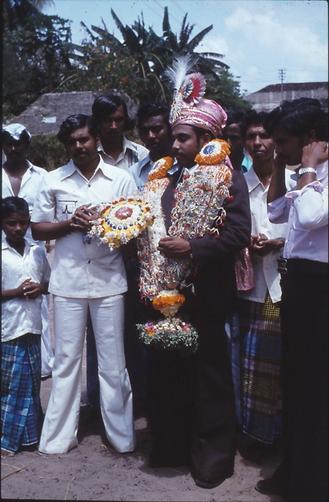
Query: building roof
(302, 86)
(47, 113)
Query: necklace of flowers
(198, 210)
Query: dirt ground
(93, 472)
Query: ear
(309, 137)
(205, 138)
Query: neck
(113, 146)
(89, 169)
(19, 246)
(158, 155)
(19, 167)
(264, 170)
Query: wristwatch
(304, 170)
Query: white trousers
(47, 353)
(59, 432)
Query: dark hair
(74, 122)
(252, 118)
(11, 205)
(24, 136)
(235, 116)
(105, 105)
(148, 110)
(299, 117)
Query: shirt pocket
(65, 209)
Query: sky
(257, 37)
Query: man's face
(82, 147)
(154, 132)
(290, 147)
(232, 134)
(186, 145)
(15, 150)
(113, 125)
(15, 226)
(258, 143)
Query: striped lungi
(260, 359)
(20, 392)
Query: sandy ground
(93, 472)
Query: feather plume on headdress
(188, 88)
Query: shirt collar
(252, 179)
(70, 168)
(127, 145)
(144, 163)
(5, 245)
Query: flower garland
(171, 334)
(121, 220)
(198, 211)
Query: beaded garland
(121, 220)
(198, 211)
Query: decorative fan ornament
(193, 88)
(189, 88)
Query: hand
(279, 161)
(258, 243)
(174, 247)
(30, 289)
(82, 217)
(314, 154)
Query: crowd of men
(258, 298)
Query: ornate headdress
(188, 106)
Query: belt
(298, 265)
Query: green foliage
(136, 64)
(36, 55)
(47, 152)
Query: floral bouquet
(171, 334)
(121, 220)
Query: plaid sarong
(20, 392)
(260, 359)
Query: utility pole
(282, 76)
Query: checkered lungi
(20, 392)
(260, 360)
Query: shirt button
(89, 185)
(89, 261)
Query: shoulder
(38, 170)
(141, 150)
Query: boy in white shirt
(25, 275)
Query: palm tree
(154, 53)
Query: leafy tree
(36, 54)
(136, 63)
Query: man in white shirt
(110, 115)
(21, 178)
(86, 277)
(154, 130)
(258, 311)
(300, 129)
(112, 120)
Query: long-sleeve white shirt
(306, 212)
(266, 274)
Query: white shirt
(82, 268)
(140, 171)
(29, 188)
(22, 315)
(266, 275)
(131, 153)
(306, 212)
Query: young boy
(25, 274)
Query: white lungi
(59, 432)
